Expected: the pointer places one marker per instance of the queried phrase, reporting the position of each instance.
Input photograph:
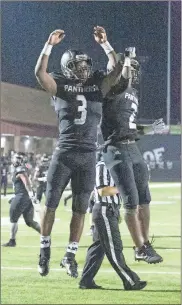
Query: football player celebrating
(125, 162)
(21, 204)
(77, 93)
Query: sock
(14, 229)
(45, 241)
(72, 248)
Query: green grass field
(21, 283)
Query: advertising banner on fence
(162, 153)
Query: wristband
(30, 194)
(107, 47)
(127, 62)
(47, 49)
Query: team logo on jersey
(131, 97)
(80, 88)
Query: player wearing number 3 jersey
(77, 94)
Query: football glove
(130, 52)
(159, 126)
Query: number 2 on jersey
(82, 109)
(134, 108)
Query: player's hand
(100, 34)
(37, 207)
(159, 126)
(56, 37)
(130, 52)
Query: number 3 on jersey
(81, 109)
(132, 124)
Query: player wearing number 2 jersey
(77, 94)
(126, 164)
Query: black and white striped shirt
(103, 179)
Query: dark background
(27, 25)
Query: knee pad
(130, 211)
(80, 203)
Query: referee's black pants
(107, 240)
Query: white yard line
(101, 270)
(86, 246)
(174, 197)
(162, 202)
(160, 185)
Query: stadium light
(3, 142)
(27, 143)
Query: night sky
(27, 25)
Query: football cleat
(71, 266)
(138, 286)
(148, 254)
(43, 266)
(154, 256)
(10, 243)
(92, 285)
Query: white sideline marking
(160, 185)
(104, 270)
(166, 224)
(162, 202)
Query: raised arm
(125, 76)
(43, 77)
(101, 38)
(112, 79)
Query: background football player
(40, 177)
(21, 204)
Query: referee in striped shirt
(106, 235)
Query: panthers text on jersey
(119, 116)
(78, 107)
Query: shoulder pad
(20, 169)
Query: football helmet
(135, 68)
(76, 65)
(44, 160)
(18, 159)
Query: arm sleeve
(101, 176)
(120, 87)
